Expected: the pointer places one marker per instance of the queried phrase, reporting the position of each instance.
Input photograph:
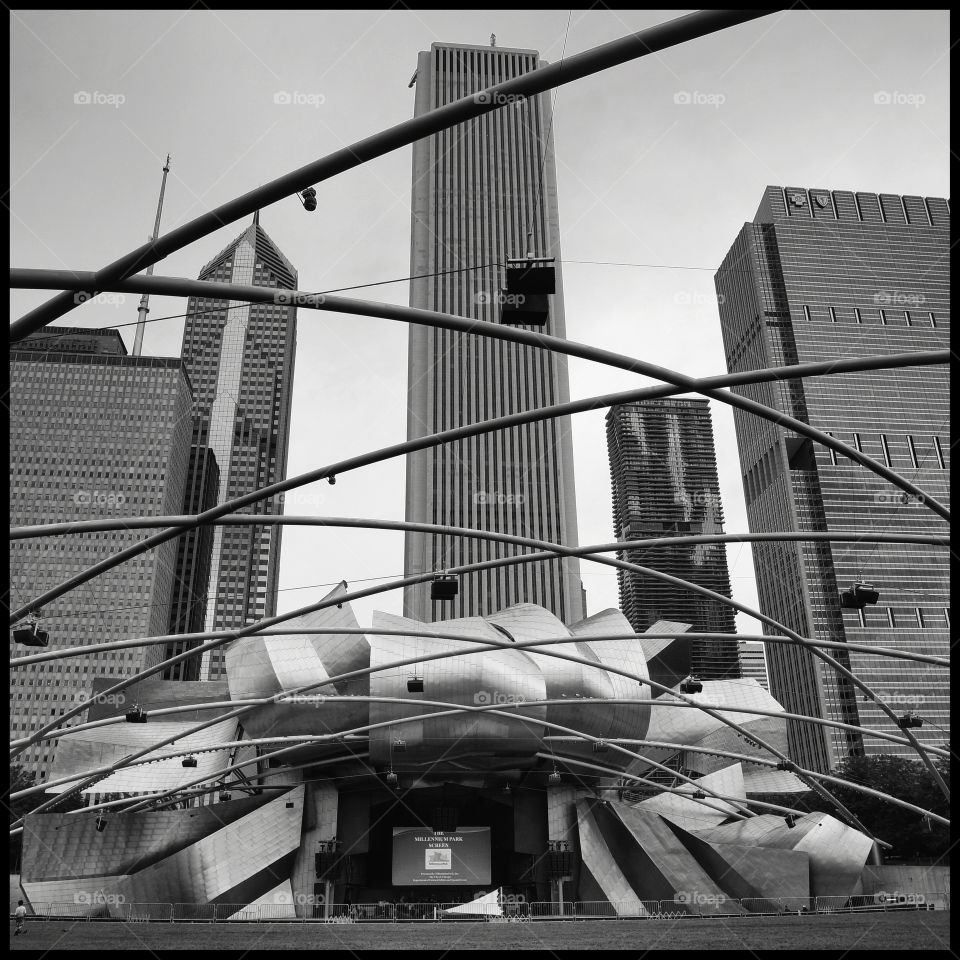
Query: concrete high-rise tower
(817, 275)
(240, 358)
(663, 472)
(485, 191)
(95, 433)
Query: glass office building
(240, 359)
(485, 191)
(821, 274)
(94, 434)
(663, 474)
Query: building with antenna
(820, 274)
(95, 433)
(143, 309)
(240, 359)
(484, 192)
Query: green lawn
(873, 931)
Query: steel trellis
(555, 549)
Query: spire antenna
(143, 309)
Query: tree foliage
(912, 837)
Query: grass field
(873, 931)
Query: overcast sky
(660, 162)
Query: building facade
(483, 192)
(94, 434)
(821, 274)
(753, 662)
(188, 612)
(240, 358)
(663, 473)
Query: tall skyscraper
(485, 191)
(240, 360)
(94, 433)
(663, 472)
(821, 274)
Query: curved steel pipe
(660, 37)
(472, 429)
(553, 549)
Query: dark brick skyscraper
(240, 358)
(663, 470)
(821, 274)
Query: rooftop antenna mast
(143, 309)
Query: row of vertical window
(904, 617)
(890, 448)
(884, 317)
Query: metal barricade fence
(594, 909)
(193, 912)
(237, 912)
(671, 910)
(547, 909)
(431, 912)
(517, 910)
(144, 912)
(418, 911)
(838, 904)
(274, 912)
(776, 906)
(79, 911)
